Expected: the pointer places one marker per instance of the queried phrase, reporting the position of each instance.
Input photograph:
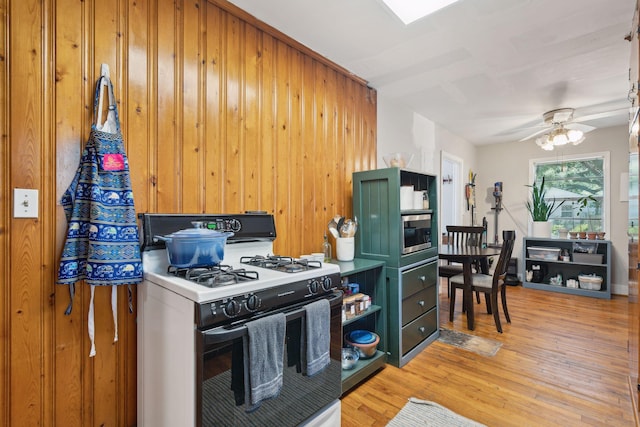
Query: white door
(450, 191)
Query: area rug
(424, 413)
(482, 346)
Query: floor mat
(482, 346)
(424, 413)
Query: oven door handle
(226, 333)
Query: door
(450, 191)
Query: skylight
(412, 10)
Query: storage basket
(589, 282)
(588, 258)
(542, 253)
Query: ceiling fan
(560, 128)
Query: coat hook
(104, 70)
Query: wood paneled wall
(220, 114)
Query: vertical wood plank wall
(220, 114)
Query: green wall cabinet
(411, 278)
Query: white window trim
(576, 157)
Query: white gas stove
(176, 313)
(156, 269)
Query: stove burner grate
(214, 276)
(280, 263)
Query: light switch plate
(25, 203)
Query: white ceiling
(485, 70)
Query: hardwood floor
(563, 362)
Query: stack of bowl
(364, 341)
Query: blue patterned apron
(102, 245)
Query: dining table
(467, 256)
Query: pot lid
(361, 337)
(199, 233)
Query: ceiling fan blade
(533, 135)
(603, 115)
(580, 126)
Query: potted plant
(541, 209)
(590, 232)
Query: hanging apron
(102, 244)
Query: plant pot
(582, 235)
(600, 235)
(591, 235)
(541, 229)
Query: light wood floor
(563, 362)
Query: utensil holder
(345, 248)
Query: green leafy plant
(540, 208)
(581, 205)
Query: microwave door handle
(224, 333)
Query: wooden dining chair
(460, 235)
(489, 284)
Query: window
(582, 182)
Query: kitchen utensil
(344, 230)
(340, 222)
(195, 247)
(333, 228)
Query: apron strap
(130, 292)
(112, 122)
(91, 325)
(72, 291)
(114, 311)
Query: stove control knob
(314, 285)
(326, 284)
(234, 225)
(252, 303)
(232, 308)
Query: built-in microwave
(417, 232)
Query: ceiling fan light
(578, 141)
(575, 136)
(560, 138)
(545, 143)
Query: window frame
(606, 171)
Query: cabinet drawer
(418, 304)
(419, 278)
(419, 330)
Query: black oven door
(218, 402)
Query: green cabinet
(376, 204)
(412, 310)
(370, 276)
(411, 278)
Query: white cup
(317, 256)
(406, 197)
(345, 248)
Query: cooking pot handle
(164, 239)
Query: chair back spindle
(460, 235)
